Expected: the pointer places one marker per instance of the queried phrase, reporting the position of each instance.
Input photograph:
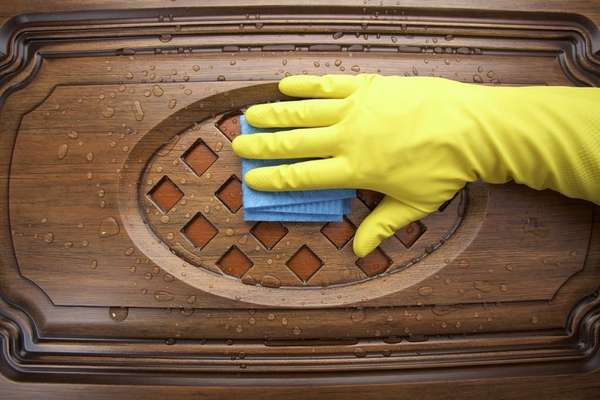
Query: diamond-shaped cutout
(229, 125)
(304, 263)
(339, 233)
(375, 263)
(369, 197)
(230, 193)
(234, 262)
(410, 233)
(165, 194)
(199, 231)
(199, 157)
(269, 233)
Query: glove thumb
(389, 216)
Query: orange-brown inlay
(339, 233)
(375, 263)
(369, 197)
(199, 157)
(269, 233)
(304, 263)
(199, 231)
(165, 194)
(234, 262)
(410, 233)
(230, 193)
(229, 125)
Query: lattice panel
(200, 217)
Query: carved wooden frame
(35, 351)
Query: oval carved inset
(191, 194)
(190, 201)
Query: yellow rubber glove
(420, 139)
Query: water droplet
(425, 290)
(269, 261)
(133, 268)
(138, 111)
(118, 313)
(157, 91)
(148, 276)
(284, 321)
(187, 92)
(477, 78)
(483, 286)
(94, 264)
(271, 317)
(534, 319)
(337, 62)
(163, 295)
(221, 78)
(164, 219)
(49, 237)
(191, 299)
(101, 193)
(186, 311)
(63, 149)
(73, 134)
(109, 227)
(168, 278)
(270, 281)
(355, 68)
(129, 251)
(360, 353)
(357, 316)
(108, 112)
(338, 35)
(165, 38)
(229, 232)
(89, 156)
(296, 331)
(448, 37)
(68, 245)
(172, 103)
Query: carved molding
(33, 348)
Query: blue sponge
(305, 205)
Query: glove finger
(315, 174)
(389, 216)
(327, 86)
(296, 143)
(296, 114)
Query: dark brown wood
(126, 261)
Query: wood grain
(124, 248)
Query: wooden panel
(122, 230)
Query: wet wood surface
(122, 233)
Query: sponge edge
(307, 205)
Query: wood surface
(127, 268)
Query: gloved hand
(420, 139)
